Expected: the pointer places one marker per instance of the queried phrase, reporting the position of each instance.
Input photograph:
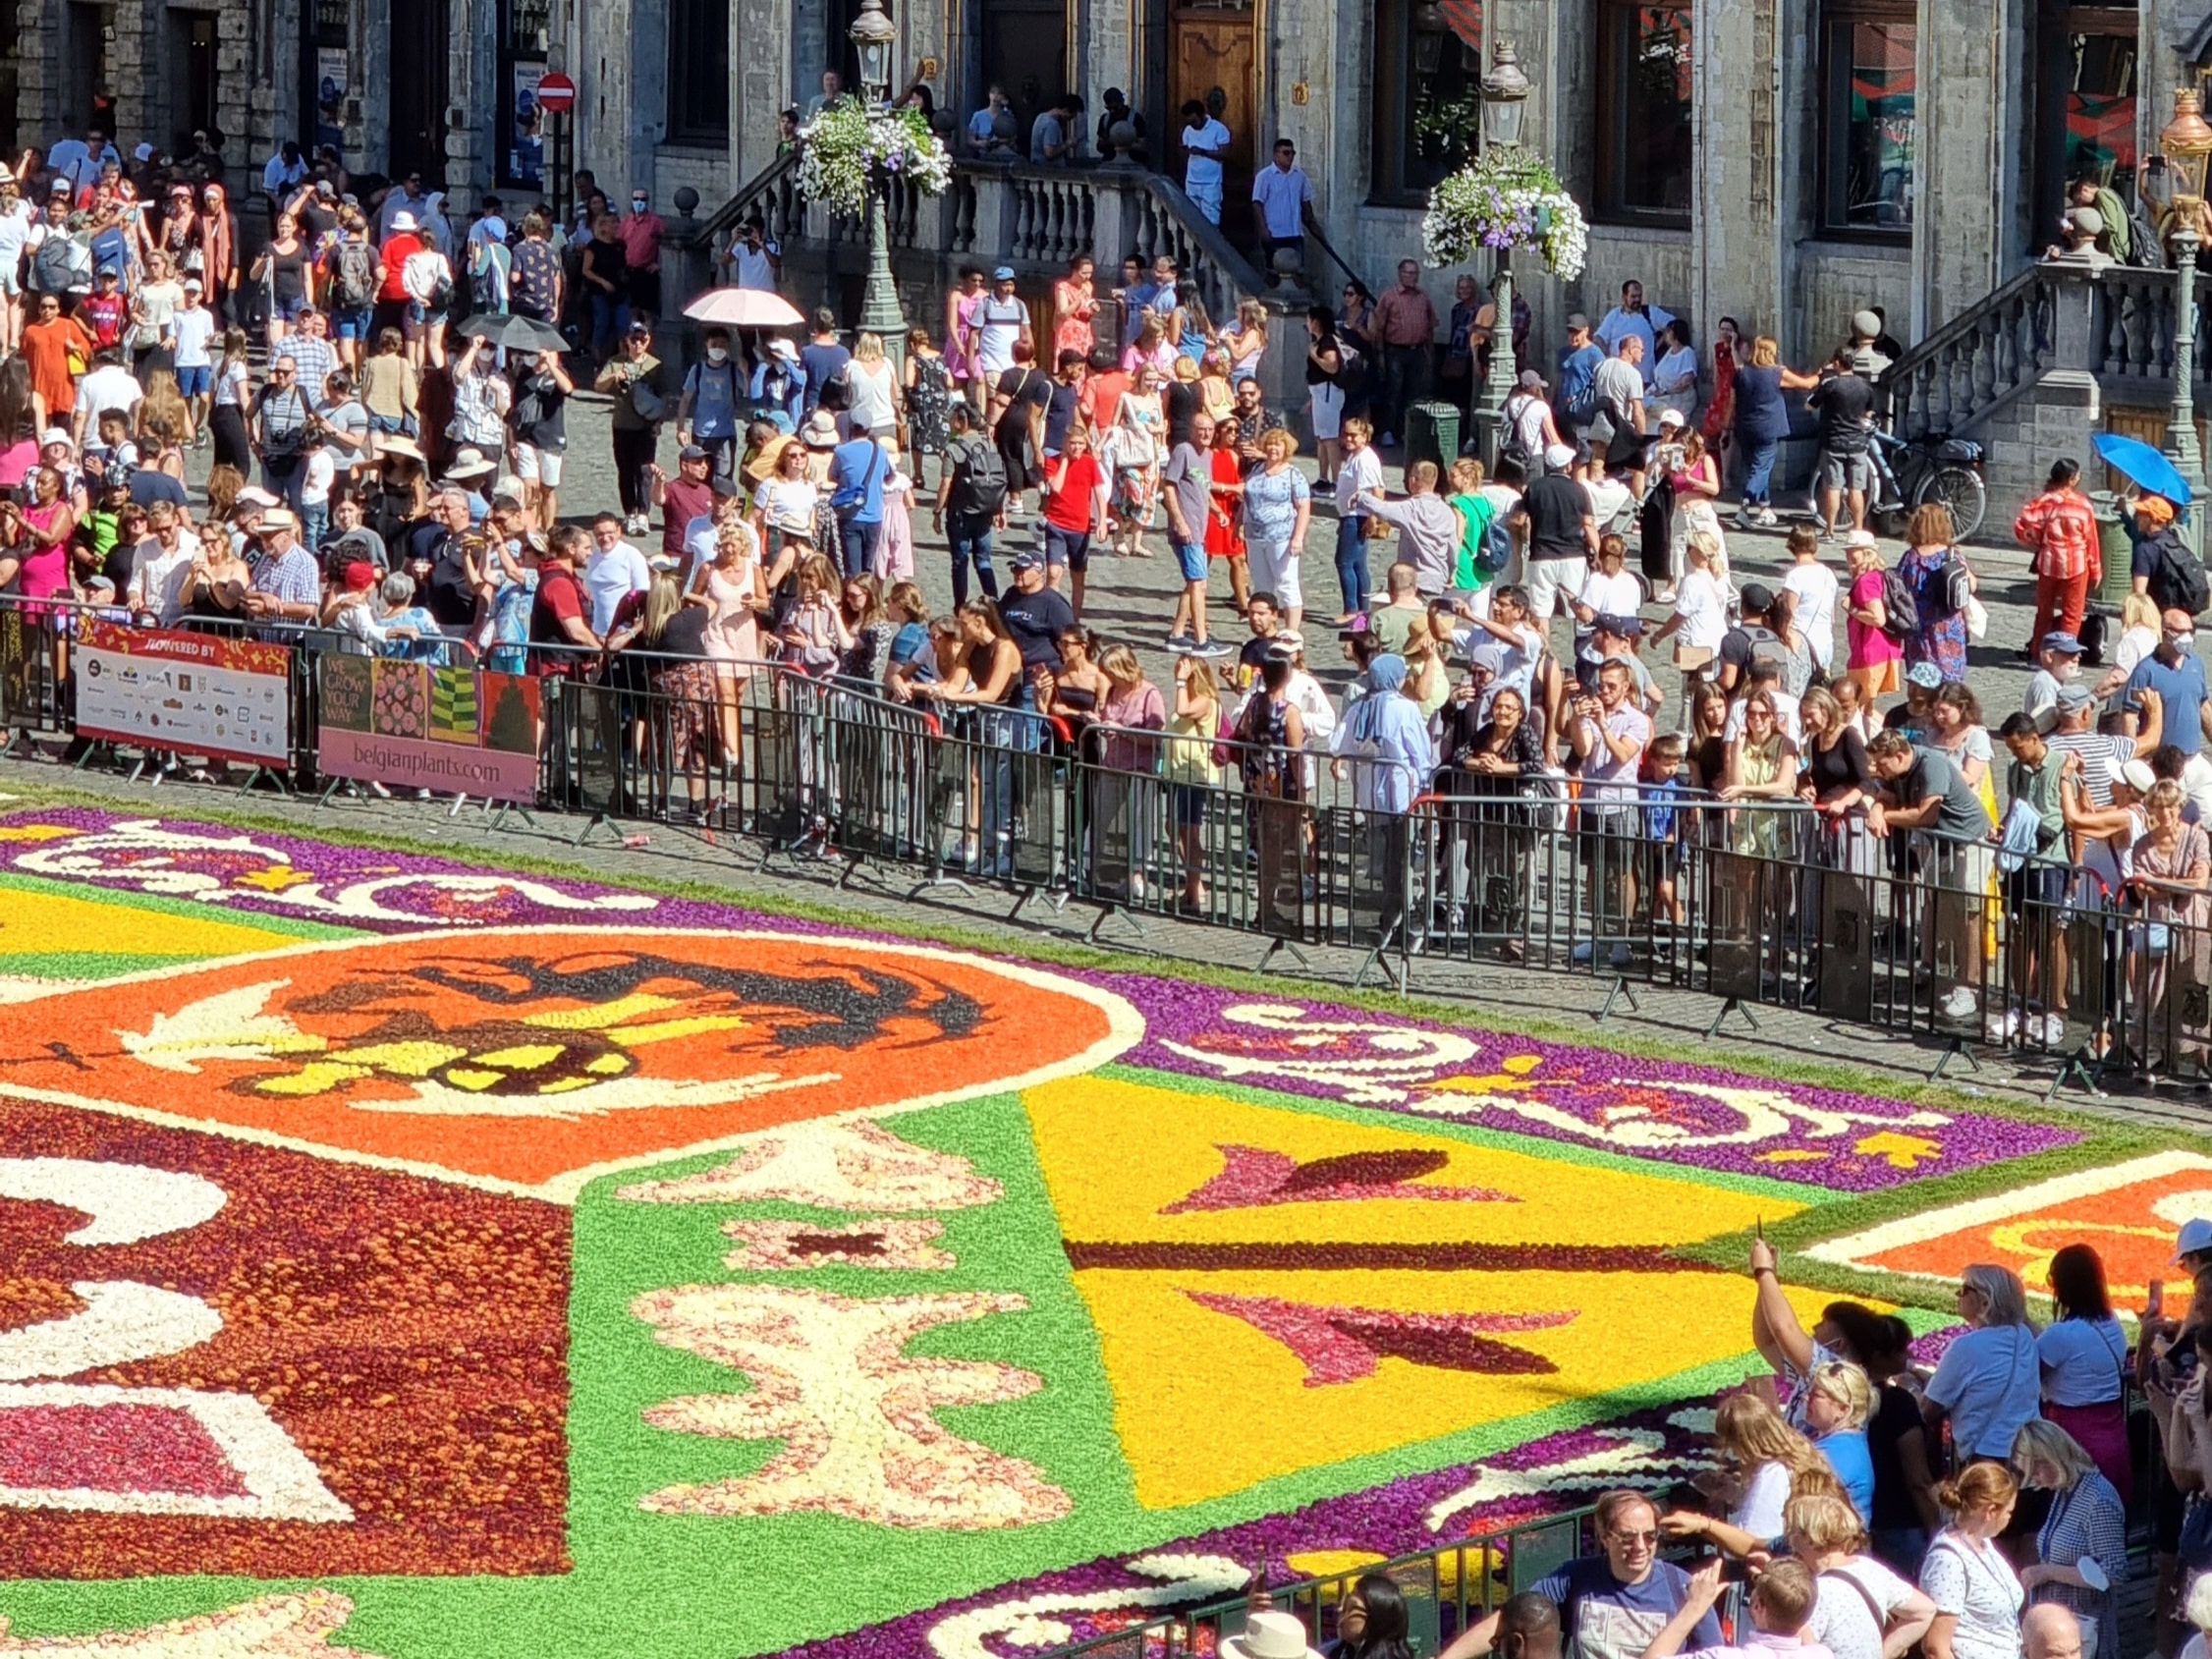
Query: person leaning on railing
(1923, 791)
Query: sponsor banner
(462, 731)
(196, 694)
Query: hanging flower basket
(1507, 197)
(840, 148)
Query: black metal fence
(1633, 886)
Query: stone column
(136, 70)
(39, 68)
(1738, 253)
(1972, 72)
(614, 129)
(759, 83)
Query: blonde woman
(875, 388)
(1193, 773)
(1839, 1400)
(1763, 1460)
(2087, 1523)
(1427, 681)
(1247, 343)
(735, 592)
(1864, 1610)
(1762, 422)
(1135, 448)
(1278, 509)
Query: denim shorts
(353, 325)
(1188, 801)
(1192, 557)
(1071, 548)
(195, 382)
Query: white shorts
(1274, 569)
(1550, 578)
(1328, 412)
(535, 466)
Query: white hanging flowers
(1507, 197)
(844, 144)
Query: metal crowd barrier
(1764, 904)
(1446, 1590)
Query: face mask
(637, 204)
(716, 355)
(2183, 643)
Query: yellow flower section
(33, 923)
(1115, 1155)
(1207, 1404)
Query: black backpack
(1901, 612)
(2176, 579)
(982, 475)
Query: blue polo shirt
(858, 469)
(2180, 687)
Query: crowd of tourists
(1867, 1501)
(384, 388)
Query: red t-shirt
(559, 600)
(682, 501)
(1074, 505)
(397, 248)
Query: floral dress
(1941, 639)
(927, 400)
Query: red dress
(1225, 525)
(1720, 413)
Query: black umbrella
(515, 332)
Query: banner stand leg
(497, 818)
(1619, 989)
(1734, 1005)
(1954, 1048)
(598, 820)
(1280, 944)
(2080, 1064)
(931, 883)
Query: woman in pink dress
(1074, 305)
(961, 360)
(1877, 661)
(34, 558)
(734, 593)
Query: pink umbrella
(744, 308)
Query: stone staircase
(1034, 219)
(2035, 370)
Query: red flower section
(410, 1337)
(1344, 1344)
(113, 1448)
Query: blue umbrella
(2145, 468)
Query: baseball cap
(2061, 641)
(1575, 320)
(1671, 417)
(642, 329)
(1757, 596)
(1627, 627)
(324, 188)
(193, 281)
(1925, 674)
(691, 451)
(1558, 456)
(1005, 273)
(508, 488)
(2195, 1238)
(2076, 697)
(1529, 377)
(1027, 560)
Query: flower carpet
(410, 1259)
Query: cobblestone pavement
(1133, 599)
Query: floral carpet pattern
(410, 1258)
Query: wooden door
(421, 38)
(1026, 52)
(1212, 57)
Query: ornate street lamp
(872, 34)
(1505, 96)
(2174, 179)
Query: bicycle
(1934, 467)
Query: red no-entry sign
(556, 94)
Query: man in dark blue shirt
(2174, 672)
(822, 357)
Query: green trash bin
(1432, 433)
(2118, 550)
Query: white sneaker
(2002, 1027)
(1960, 1003)
(2054, 1031)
